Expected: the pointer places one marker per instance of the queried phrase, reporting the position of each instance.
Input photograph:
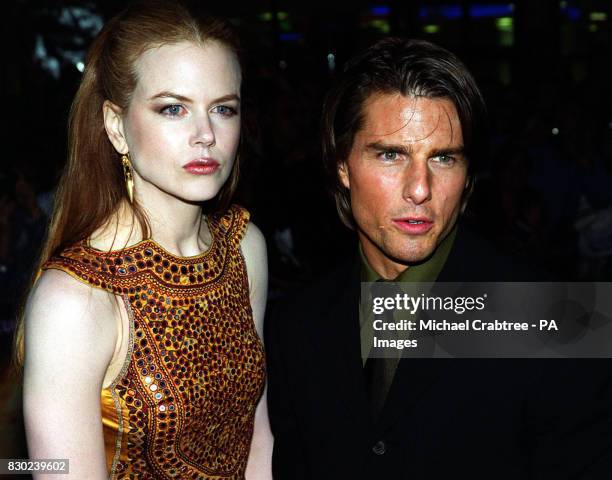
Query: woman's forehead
(189, 69)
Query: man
(402, 134)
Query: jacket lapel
(337, 341)
(413, 378)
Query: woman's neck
(179, 228)
(181, 231)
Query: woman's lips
(413, 225)
(202, 166)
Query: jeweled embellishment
(196, 368)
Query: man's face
(406, 173)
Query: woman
(143, 295)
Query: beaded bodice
(183, 405)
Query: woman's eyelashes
(178, 110)
(174, 110)
(225, 110)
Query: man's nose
(417, 182)
(203, 131)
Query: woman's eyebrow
(168, 94)
(183, 98)
(227, 98)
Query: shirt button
(379, 448)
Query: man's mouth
(413, 225)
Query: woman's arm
(254, 250)
(70, 338)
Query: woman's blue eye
(172, 110)
(225, 110)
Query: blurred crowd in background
(544, 67)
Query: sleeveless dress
(184, 402)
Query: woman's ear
(113, 124)
(343, 175)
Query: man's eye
(389, 156)
(173, 110)
(225, 110)
(445, 160)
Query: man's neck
(376, 266)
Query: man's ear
(467, 192)
(113, 124)
(343, 175)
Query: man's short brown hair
(412, 68)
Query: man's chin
(412, 257)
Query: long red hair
(91, 188)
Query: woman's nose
(203, 132)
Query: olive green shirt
(427, 271)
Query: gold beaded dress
(183, 405)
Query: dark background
(544, 67)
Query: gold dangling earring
(127, 174)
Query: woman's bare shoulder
(253, 248)
(68, 346)
(61, 309)
(58, 289)
(254, 243)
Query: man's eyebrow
(406, 150)
(183, 98)
(458, 150)
(380, 146)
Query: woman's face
(182, 126)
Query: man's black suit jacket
(444, 418)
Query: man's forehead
(411, 118)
